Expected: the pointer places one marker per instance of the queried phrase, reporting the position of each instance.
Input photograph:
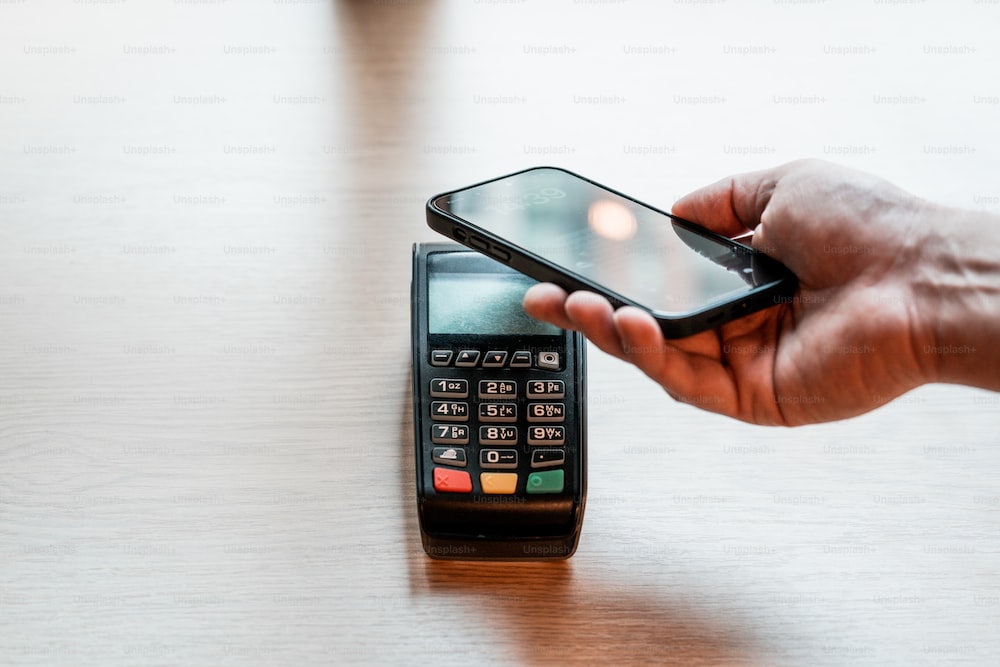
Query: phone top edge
(432, 201)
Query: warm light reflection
(611, 220)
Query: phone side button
(452, 481)
(478, 243)
(500, 254)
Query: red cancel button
(452, 481)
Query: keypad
(513, 428)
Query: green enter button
(548, 481)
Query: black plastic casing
(779, 283)
(478, 526)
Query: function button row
(447, 480)
(496, 359)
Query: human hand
(855, 335)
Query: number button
(546, 412)
(546, 389)
(498, 412)
(497, 435)
(450, 411)
(497, 459)
(546, 435)
(497, 389)
(449, 434)
(449, 388)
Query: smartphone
(556, 226)
(498, 412)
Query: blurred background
(206, 214)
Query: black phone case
(672, 326)
(476, 525)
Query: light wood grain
(206, 212)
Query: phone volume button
(500, 254)
(479, 243)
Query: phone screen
(607, 239)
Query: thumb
(733, 205)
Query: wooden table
(206, 213)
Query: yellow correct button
(498, 482)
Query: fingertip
(588, 310)
(541, 297)
(637, 329)
(634, 312)
(631, 317)
(547, 302)
(593, 315)
(585, 301)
